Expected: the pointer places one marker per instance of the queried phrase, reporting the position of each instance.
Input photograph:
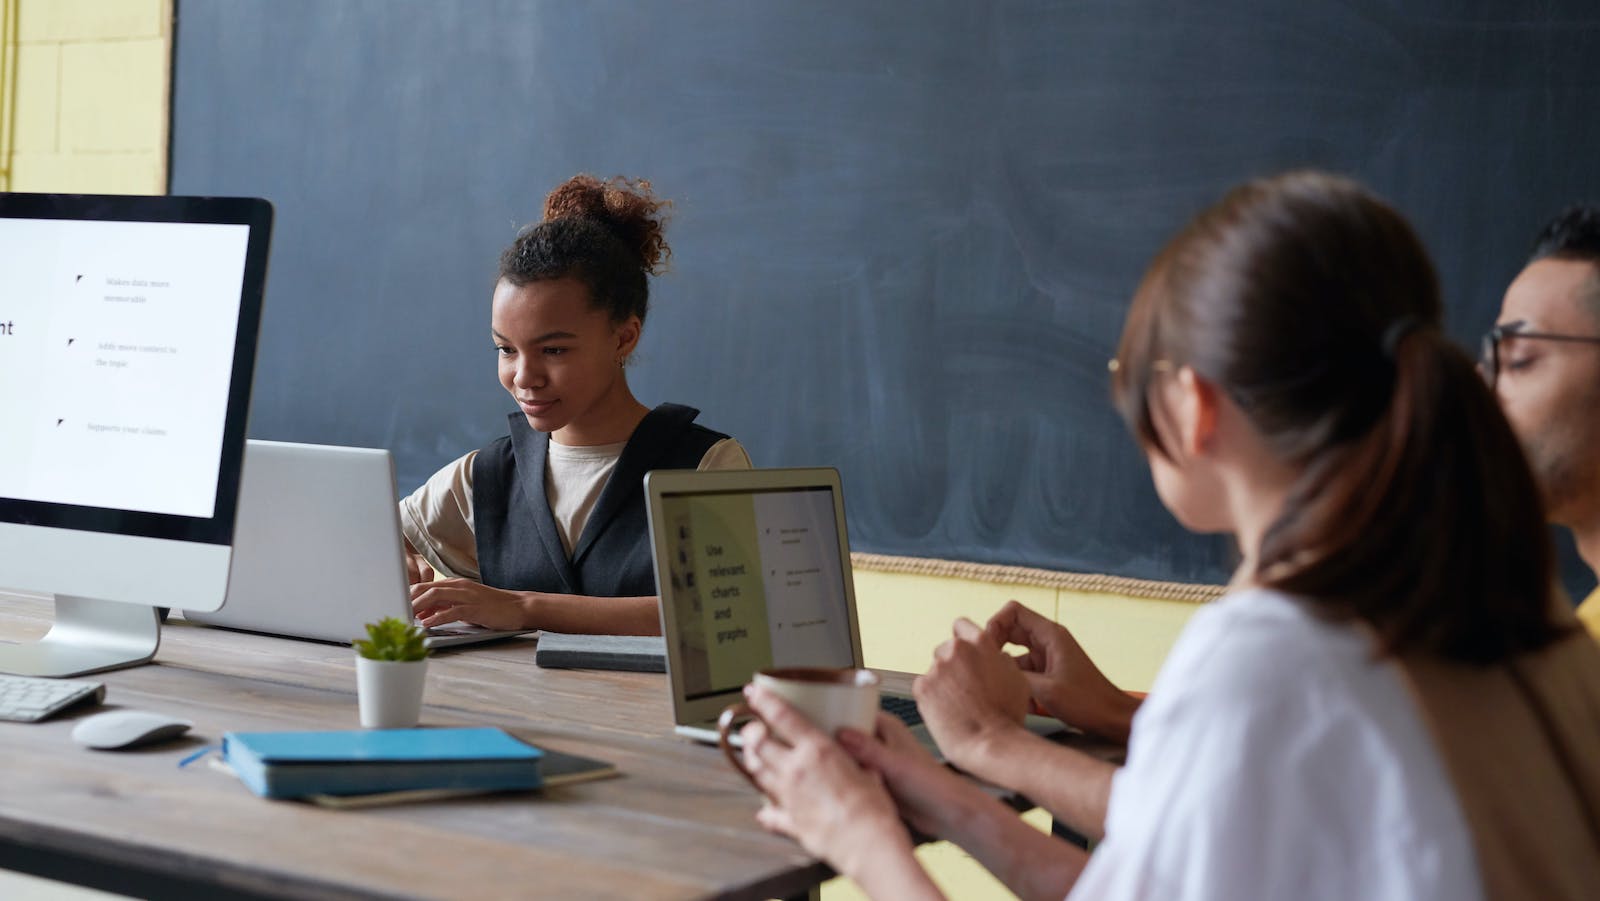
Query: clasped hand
(972, 693)
(975, 693)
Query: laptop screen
(756, 582)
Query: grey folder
(634, 653)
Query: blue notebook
(354, 762)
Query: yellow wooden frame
(1041, 578)
(8, 87)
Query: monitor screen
(121, 331)
(756, 582)
(127, 345)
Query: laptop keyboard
(28, 699)
(903, 708)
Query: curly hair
(607, 234)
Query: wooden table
(678, 822)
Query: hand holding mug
(827, 699)
(816, 792)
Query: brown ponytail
(1428, 527)
(1314, 306)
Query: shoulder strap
(1520, 741)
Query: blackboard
(905, 232)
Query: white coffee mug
(831, 698)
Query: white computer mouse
(117, 729)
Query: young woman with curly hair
(545, 528)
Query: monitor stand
(88, 636)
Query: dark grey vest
(518, 545)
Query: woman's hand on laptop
(971, 696)
(443, 601)
(417, 568)
(1061, 677)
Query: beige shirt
(437, 517)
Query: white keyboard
(28, 699)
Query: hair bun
(626, 206)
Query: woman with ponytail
(545, 528)
(1388, 702)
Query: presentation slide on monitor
(116, 351)
(758, 583)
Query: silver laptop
(317, 551)
(754, 572)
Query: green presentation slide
(727, 564)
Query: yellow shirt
(1589, 613)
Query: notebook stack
(345, 764)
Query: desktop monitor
(127, 340)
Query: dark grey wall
(905, 233)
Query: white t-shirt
(574, 478)
(1276, 759)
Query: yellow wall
(8, 70)
(88, 102)
(904, 617)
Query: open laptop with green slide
(753, 567)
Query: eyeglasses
(1114, 365)
(1489, 352)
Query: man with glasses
(1543, 359)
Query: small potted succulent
(391, 671)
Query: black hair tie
(1397, 332)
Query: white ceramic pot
(390, 692)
